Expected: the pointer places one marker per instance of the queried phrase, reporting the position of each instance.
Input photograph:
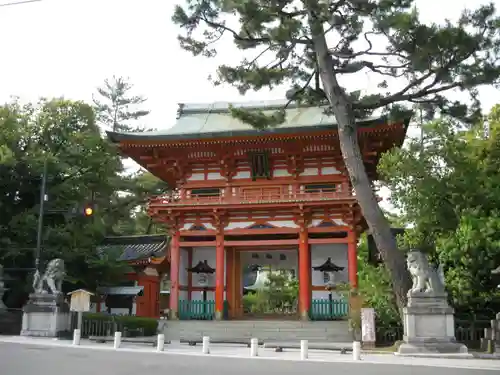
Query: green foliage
(82, 168)
(116, 107)
(280, 295)
(124, 322)
(289, 43)
(374, 286)
(448, 187)
(80, 164)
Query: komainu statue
(52, 278)
(425, 278)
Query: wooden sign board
(80, 300)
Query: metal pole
(40, 216)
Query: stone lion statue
(425, 278)
(52, 278)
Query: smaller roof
(80, 291)
(121, 290)
(328, 266)
(130, 248)
(201, 267)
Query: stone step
(336, 331)
(258, 324)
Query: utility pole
(40, 216)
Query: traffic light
(88, 210)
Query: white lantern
(203, 279)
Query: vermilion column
(175, 258)
(352, 258)
(219, 275)
(304, 274)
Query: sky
(67, 48)
(55, 48)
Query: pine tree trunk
(393, 258)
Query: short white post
(304, 349)
(356, 350)
(254, 347)
(77, 335)
(118, 340)
(160, 343)
(206, 345)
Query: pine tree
(117, 109)
(311, 45)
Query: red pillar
(304, 274)
(175, 258)
(219, 275)
(352, 258)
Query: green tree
(311, 45)
(448, 187)
(80, 164)
(119, 110)
(116, 107)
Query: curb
(341, 359)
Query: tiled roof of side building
(129, 248)
(205, 121)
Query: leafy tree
(80, 164)
(375, 287)
(118, 111)
(312, 45)
(448, 186)
(116, 108)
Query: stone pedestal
(429, 326)
(46, 315)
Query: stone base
(437, 349)
(432, 347)
(429, 327)
(46, 315)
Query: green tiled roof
(128, 248)
(202, 121)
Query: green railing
(324, 309)
(200, 310)
(196, 310)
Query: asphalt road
(17, 359)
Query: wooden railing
(253, 196)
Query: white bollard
(304, 349)
(206, 345)
(77, 335)
(254, 347)
(160, 342)
(118, 340)
(356, 350)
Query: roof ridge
(223, 106)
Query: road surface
(27, 359)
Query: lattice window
(259, 163)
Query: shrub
(124, 323)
